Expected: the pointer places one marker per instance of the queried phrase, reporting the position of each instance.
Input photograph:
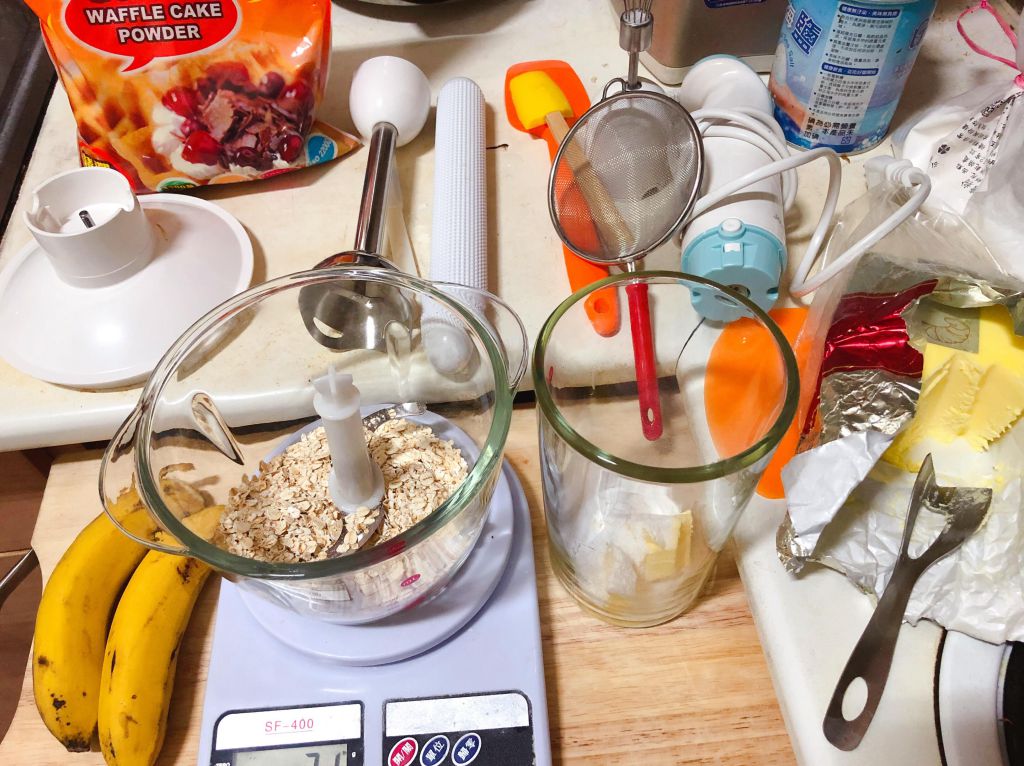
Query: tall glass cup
(634, 525)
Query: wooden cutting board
(694, 691)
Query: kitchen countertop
(807, 626)
(694, 691)
(297, 219)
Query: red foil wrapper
(868, 332)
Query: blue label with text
(840, 69)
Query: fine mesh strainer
(622, 183)
(625, 177)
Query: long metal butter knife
(965, 509)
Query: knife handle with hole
(17, 573)
(871, 659)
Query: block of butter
(665, 559)
(973, 397)
(623, 561)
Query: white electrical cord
(752, 127)
(908, 176)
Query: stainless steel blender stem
(360, 317)
(636, 30)
(373, 209)
(373, 205)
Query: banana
(141, 656)
(206, 522)
(74, 612)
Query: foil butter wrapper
(867, 383)
(861, 384)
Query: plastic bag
(863, 340)
(925, 291)
(181, 93)
(973, 147)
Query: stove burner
(1011, 709)
(979, 702)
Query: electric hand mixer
(736, 232)
(741, 242)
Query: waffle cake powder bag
(182, 93)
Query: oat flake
(285, 513)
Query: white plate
(114, 336)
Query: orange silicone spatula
(548, 120)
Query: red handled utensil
(643, 359)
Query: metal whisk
(636, 29)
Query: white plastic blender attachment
(96, 304)
(91, 226)
(389, 101)
(459, 236)
(355, 480)
(625, 177)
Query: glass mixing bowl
(237, 385)
(635, 525)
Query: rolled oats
(285, 514)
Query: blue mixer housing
(744, 257)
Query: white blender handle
(459, 238)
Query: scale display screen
(332, 754)
(316, 735)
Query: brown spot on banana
(58, 703)
(43, 661)
(76, 744)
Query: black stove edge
(24, 101)
(1011, 721)
(935, 696)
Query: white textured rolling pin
(459, 238)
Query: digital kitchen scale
(458, 680)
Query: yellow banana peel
(71, 623)
(141, 656)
